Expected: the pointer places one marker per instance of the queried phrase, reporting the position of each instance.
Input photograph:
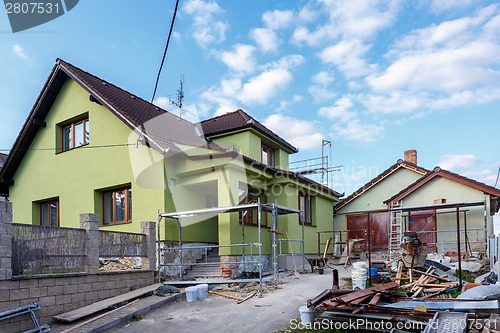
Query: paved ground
(220, 314)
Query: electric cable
(165, 52)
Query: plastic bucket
(306, 316)
(358, 273)
(359, 265)
(191, 294)
(359, 283)
(202, 290)
(373, 272)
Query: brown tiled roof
(438, 172)
(399, 164)
(163, 127)
(239, 119)
(3, 158)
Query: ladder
(395, 227)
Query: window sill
(112, 224)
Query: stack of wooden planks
(428, 284)
(357, 297)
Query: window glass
(44, 214)
(53, 214)
(108, 207)
(271, 157)
(120, 206)
(264, 155)
(79, 134)
(117, 206)
(67, 138)
(129, 204)
(86, 131)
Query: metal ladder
(395, 227)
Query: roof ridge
(437, 171)
(158, 108)
(372, 182)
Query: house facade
(89, 146)
(440, 188)
(405, 189)
(351, 213)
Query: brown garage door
(379, 225)
(424, 221)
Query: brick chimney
(411, 156)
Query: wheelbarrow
(320, 262)
(317, 263)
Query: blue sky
(374, 77)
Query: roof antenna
(180, 97)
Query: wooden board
(104, 304)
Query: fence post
(5, 240)
(149, 229)
(90, 222)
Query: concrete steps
(210, 270)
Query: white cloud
(340, 111)
(262, 87)
(323, 78)
(266, 39)
(458, 162)
(361, 19)
(206, 29)
(277, 19)
(393, 102)
(356, 131)
(302, 134)
(257, 89)
(241, 59)
(19, 51)
(348, 55)
(162, 101)
(320, 91)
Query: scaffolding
(275, 211)
(317, 165)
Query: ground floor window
(117, 206)
(305, 206)
(49, 213)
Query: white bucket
(306, 316)
(358, 274)
(191, 294)
(202, 290)
(359, 265)
(359, 283)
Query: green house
(409, 198)
(89, 146)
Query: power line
(83, 147)
(165, 52)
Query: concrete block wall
(59, 293)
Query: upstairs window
(305, 206)
(75, 135)
(117, 206)
(267, 156)
(249, 194)
(49, 213)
